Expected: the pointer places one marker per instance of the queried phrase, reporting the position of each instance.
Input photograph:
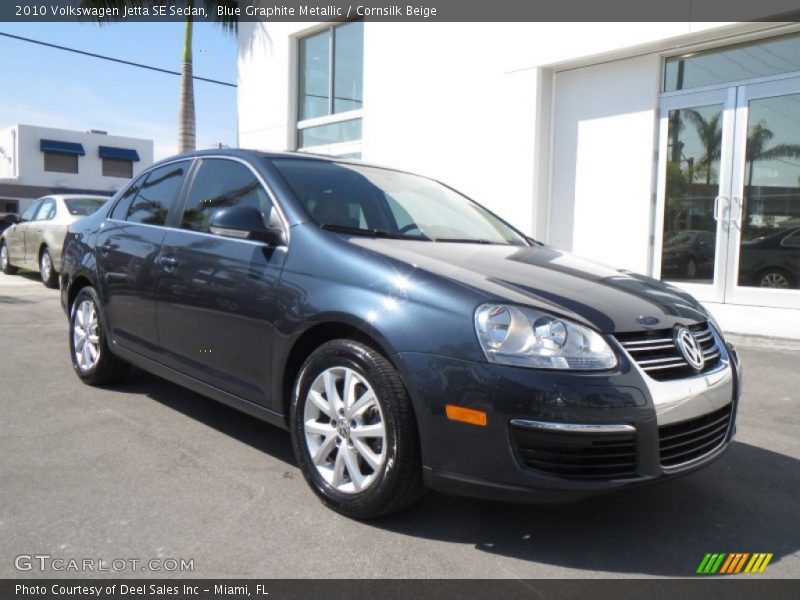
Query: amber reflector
(465, 415)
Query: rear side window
(158, 195)
(83, 206)
(220, 183)
(121, 209)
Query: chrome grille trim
(656, 354)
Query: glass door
(693, 202)
(764, 237)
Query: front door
(216, 295)
(729, 193)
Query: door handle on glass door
(737, 207)
(717, 204)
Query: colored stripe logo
(735, 562)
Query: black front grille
(655, 351)
(685, 441)
(576, 455)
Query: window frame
(336, 149)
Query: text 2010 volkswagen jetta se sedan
(406, 336)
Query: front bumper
(488, 461)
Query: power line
(109, 58)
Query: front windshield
(83, 206)
(371, 201)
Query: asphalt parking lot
(149, 470)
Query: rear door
(127, 255)
(15, 235)
(216, 295)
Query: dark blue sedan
(407, 337)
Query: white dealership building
(671, 149)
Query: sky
(53, 88)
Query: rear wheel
(354, 432)
(775, 278)
(5, 265)
(46, 269)
(91, 358)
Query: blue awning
(61, 147)
(118, 153)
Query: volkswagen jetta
(407, 337)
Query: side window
(121, 209)
(30, 211)
(220, 183)
(792, 241)
(46, 210)
(158, 194)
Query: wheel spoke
(324, 450)
(314, 427)
(356, 477)
(349, 389)
(79, 342)
(366, 400)
(330, 391)
(338, 468)
(318, 401)
(374, 430)
(372, 459)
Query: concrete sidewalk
(758, 325)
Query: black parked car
(688, 254)
(7, 220)
(772, 261)
(406, 336)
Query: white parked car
(35, 240)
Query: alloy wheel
(774, 280)
(85, 335)
(45, 265)
(344, 429)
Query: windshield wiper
(467, 241)
(378, 233)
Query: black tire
(6, 265)
(49, 276)
(107, 368)
(397, 483)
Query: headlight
(512, 335)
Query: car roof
(74, 196)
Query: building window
(330, 89)
(117, 167)
(60, 163)
(117, 162)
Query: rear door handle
(106, 248)
(168, 262)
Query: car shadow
(745, 502)
(238, 425)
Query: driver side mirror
(247, 223)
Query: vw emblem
(689, 348)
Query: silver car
(35, 241)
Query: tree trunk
(186, 119)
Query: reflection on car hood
(541, 276)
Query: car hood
(611, 300)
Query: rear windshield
(81, 207)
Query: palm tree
(187, 130)
(710, 133)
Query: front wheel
(354, 432)
(88, 342)
(5, 265)
(46, 269)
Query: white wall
(31, 158)
(470, 104)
